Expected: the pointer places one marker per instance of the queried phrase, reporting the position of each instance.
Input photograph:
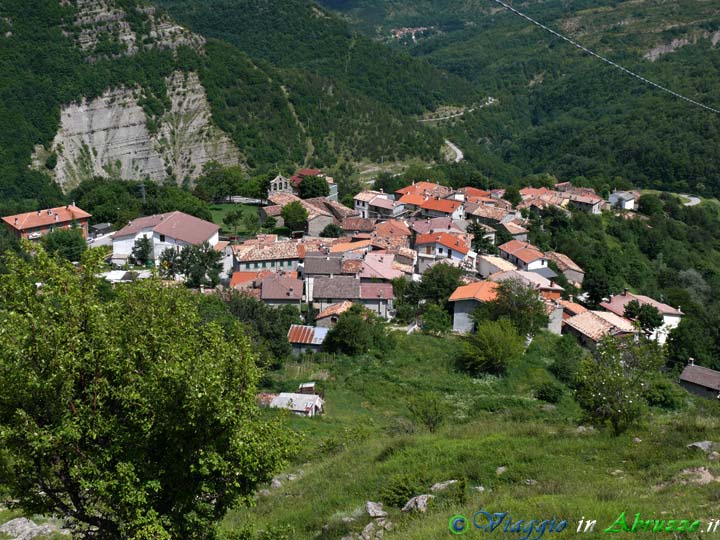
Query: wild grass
(368, 441)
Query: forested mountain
(560, 110)
(116, 88)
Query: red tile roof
(392, 227)
(441, 205)
(177, 225)
(618, 302)
(482, 291)
(334, 309)
(245, 278)
(421, 187)
(45, 218)
(474, 192)
(444, 239)
(414, 199)
(350, 246)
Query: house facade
(701, 381)
(35, 225)
(173, 230)
(466, 299)
(523, 255)
(671, 316)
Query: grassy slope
(354, 451)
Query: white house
(171, 230)
(624, 200)
(671, 316)
(523, 255)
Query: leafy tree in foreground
(314, 186)
(613, 385)
(127, 417)
(67, 243)
(519, 304)
(494, 347)
(295, 216)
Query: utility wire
(606, 60)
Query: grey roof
(323, 265)
(546, 272)
(281, 288)
(342, 287)
(701, 376)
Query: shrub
(400, 488)
(430, 409)
(566, 365)
(495, 346)
(549, 392)
(665, 394)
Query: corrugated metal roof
(307, 335)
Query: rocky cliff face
(104, 29)
(112, 136)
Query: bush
(495, 346)
(549, 392)
(567, 357)
(665, 394)
(430, 409)
(400, 488)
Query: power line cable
(606, 60)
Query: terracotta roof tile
(334, 309)
(444, 239)
(176, 225)
(482, 291)
(44, 218)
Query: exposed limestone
(666, 48)
(103, 29)
(109, 136)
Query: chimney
(16, 221)
(692, 361)
(625, 292)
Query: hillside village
(385, 239)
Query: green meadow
(368, 447)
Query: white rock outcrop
(110, 136)
(104, 22)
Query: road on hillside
(459, 156)
(692, 200)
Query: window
(257, 265)
(162, 237)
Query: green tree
(596, 285)
(429, 409)
(512, 195)
(494, 347)
(251, 222)
(142, 251)
(357, 331)
(436, 321)
(517, 303)
(650, 204)
(647, 316)
(67, 243)
(439, 282)
(331, 231)
(233, 219)
(200, 265)
(613, 385)
(127, 417)
(270, 325)
(480, 243)
(314, 186)
(295, 216)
